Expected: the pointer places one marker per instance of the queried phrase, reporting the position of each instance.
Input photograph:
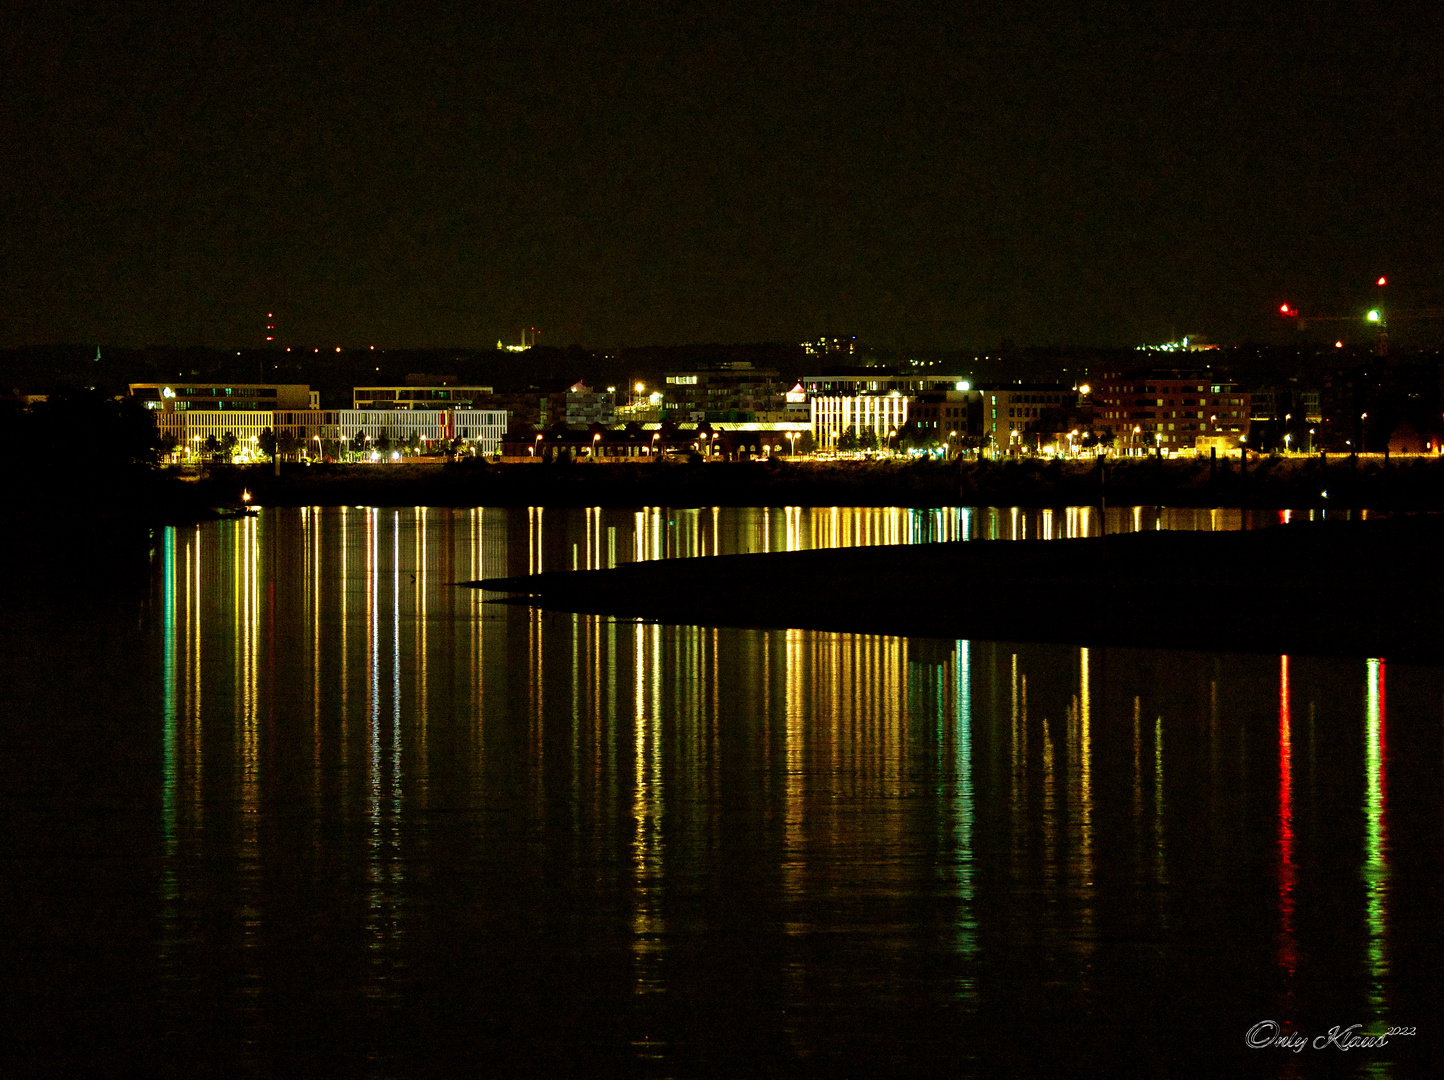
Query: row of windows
(1172, 401)
(1169, 388)
(152, 393)
(1194, 414)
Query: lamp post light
(596, 440)
(1136, 431)
(792, 437)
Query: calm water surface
(306, 808)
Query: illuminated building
(1170, 409)
(1012, 411)
(826, 346)
(434, 427)
(880, 380)
(586, 406)
(1190, 343)
(724, 391)
(945, 417)
(218, 397)
(421, 392)
(834, 415)
(326, 431)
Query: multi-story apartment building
(1170, 409)
(586, 406)
(728, 391)
(1284, 418)
(1011, 410)
(947, 417)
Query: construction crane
(1376, 316)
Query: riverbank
(1371, 588)
(1297, 483)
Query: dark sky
(924, 176)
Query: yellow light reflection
(1375, 870)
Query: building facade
(834, 415)
(724, 392)
(336, 430)
(1170, 409)
(586, 406)
(1011, 412)
(223, 397)
(949, 418)
(419, 397)
(880, 380)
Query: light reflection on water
(598, 538)
(413, 833)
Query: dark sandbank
(1371, 588)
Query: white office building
(832, 415)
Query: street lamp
(597, 438)
(792, 436)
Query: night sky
(922, 176)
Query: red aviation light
(1382, 281)
(1284, 309)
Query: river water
(305, 807)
